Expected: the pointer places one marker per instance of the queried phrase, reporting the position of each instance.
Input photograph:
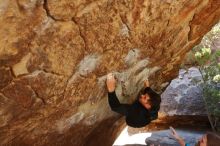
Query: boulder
(54, 57)
(184, 96)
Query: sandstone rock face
(183, 96)
(54, 57)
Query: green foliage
(212, 97)
(209, 67)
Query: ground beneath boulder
(161, 137)
(190, 128)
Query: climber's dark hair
(155, 98)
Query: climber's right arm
(114, 103)
(110, 82)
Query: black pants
(116, 106)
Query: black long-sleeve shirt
(136, 114)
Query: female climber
(142, 111)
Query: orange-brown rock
(54, 57)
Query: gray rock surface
(183, 96)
